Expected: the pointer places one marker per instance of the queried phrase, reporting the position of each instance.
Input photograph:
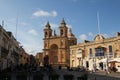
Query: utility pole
(98, 22)
(16, 27)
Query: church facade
(56, 47)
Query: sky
(26, 19)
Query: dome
(70, 34)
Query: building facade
(56, 47)
(100, 53)
(39, 58)
(9, 49)
(23, 57)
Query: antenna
(98, 22)
(16, 27)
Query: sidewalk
(104, 73)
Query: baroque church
(56, 47)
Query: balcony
(99, 54)
(79, 55)
(4, 52)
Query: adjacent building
(100, 53)
(56, 47)
(9, 49)
(24, 58)
(39, 58)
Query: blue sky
(80, 15)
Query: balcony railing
(99, 54)
(4, 50)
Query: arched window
(61, 32)
(46, 34)
(55, 47)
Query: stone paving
(102, 75)
(99, 75)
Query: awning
(105, 60)
(102, 60)
(115, 60)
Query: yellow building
(57, 46)
(24, 57)
(39, 58)
(100, 53)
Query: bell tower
(47, 31)
(63, 29)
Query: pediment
(99, 38)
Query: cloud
(54, 25)
(70, 26)
(31, 44)
(33, 32)
(82, 37)
(32, 49)
(42, 13)
(27, 36)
